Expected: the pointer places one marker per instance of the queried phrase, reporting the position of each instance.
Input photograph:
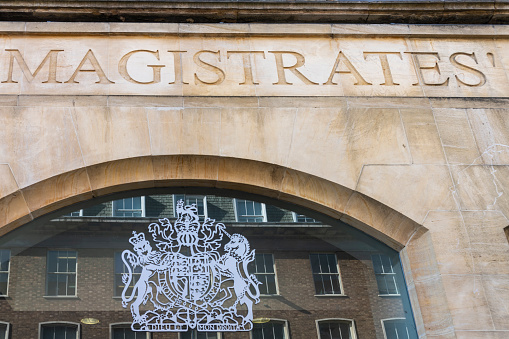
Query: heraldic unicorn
(192, 281)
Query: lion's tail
(127, 278)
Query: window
(5, 260)
(129, 207)
(75, 214)
(395, 328)
(302, 218)
(385, 275)
(336, 329)
(326, 274)
(263, 268)
(4, 330)
(199, 200)
(274, 329)
(123, 331)
(59, 331)
(249, 211)
(120, 269)
(61, 273)
(194, 334)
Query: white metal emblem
(194, 280)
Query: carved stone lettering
(205, 65)
(384, 62)
(419, 68)
(293, 71)
(156, 69)
(281, 68)
(90, 57)
(177, 66)
(468, 69)
(342, 59)
(52, 72)
(246, 63)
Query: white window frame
(386, 274)
(392, 319)
(143, 209)
(219, 335)
(124, 325)
(8, 329)
(78, 327)
(195, 196)
(264, 211)
(295, 216)
(285, 327)
(75, 216)
(353, 332)
(46, 295)
(275, 274)
(342, 294)
(8, 274)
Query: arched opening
(186, 256)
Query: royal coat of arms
(196, 278)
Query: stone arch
(270, 180)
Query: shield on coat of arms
(191, 277)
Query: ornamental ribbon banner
(253, 66)
(192, 280)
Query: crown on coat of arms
(137, 238)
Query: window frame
(353, 331)
(275, 275)
(46, 295)
(75, 216)
(342, 294)
(385, 274)
(219, 334)
(78, 327)
(143, 208)
(124, 325)
(198, 196)
(392, 319)
(115, 273)
(295, 215)
(286, 332)
(6, 295)
(8, 329)
(264, 211)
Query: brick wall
(297, 303)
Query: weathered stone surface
(490, 128)
(430, 291)
(489, 247)
(497, 295)
(451, 242)
(113, 133)
(457, 138)
(9, 184)
(481, 187)
(467, 302)
(264, 140)
(422, 136)
(415, 189)
(56, 192)
(38, 142)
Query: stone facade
(420, 165)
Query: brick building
(314, 277)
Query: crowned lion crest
(192, 280)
